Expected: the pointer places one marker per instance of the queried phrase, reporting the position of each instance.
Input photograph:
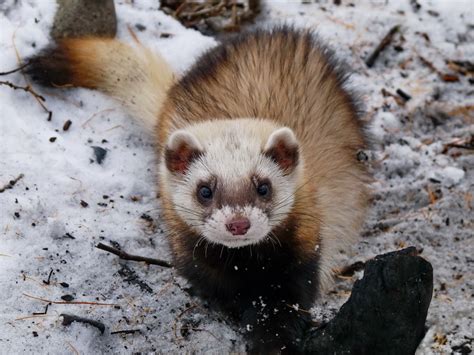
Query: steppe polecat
(259, 180)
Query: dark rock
(69, 236)
(67, 125)
(140, 27)
(362, 156)
(99, 154)
(67, 298)
(82, 18)
(386, 311)
(464, 348)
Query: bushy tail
(134, 76)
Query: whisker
(196, 245)
(271, 238)
(278, 240)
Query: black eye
(263, 189)
(205, 193)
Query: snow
(383, 122)
(422, 192)
(450, 175)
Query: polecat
(259, 179)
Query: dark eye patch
(205, 192)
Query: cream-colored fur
(261, 79)
(278, 79)
(233, 153)
(214, 230)
(134, 75)
(287, 77)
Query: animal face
(233, 181)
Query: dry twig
(24, 88)
(176, 320)
(21, 67)
(125, 256)
(35, 316)
(70, 318)
(213, 15)
(73, 348)
(445, 77)
(36, 96)
(382, 45)
(70, 302)
(48, 281)
(133, 34)
(95, 114)
(11, 183)
(42, 313)
(126, 331)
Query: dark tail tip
(51, 67)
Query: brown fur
(284, 76)
(256, 77)
(134, 76)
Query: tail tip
(51, 67)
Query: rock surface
(386, 311)
(79, 18)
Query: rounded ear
(282, 147)
(182, 148)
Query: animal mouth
(238, 242)
(236, 228)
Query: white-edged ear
(182, 137)
(284, 135)
(182, 148)
(283, 148)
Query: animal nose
(238, 226)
